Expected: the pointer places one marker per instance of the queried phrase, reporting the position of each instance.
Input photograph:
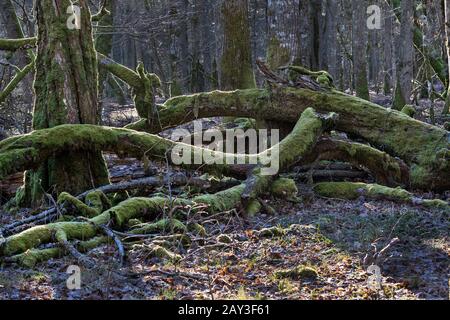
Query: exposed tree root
(351, 191)
(175, 180)
(20, 245)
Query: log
(423, 147)
(352, 191)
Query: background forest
(89, 103)
(402, 59)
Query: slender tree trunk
(236, 64)
(207, 36)
(332, 13)
(388, 48)
(359, 52)
(405, 68)
(66, 93)
(306, 35)
(447, 44)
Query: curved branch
(352, 191)
(18, 44)
(19, 76)
(425, 148)
(386, 169)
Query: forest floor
(321, 242)
(329, 236)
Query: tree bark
(282, 19)
(236, 64)
(359, 49)
(425, 148)
(447, 45)
(66, 86)
(405, 72)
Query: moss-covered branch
(423, 147)
(386, 170)
(292, 149)
(27, 242)
(144, 84)
(29, 151)
(17, 44)
(18, 77)
(352, 191)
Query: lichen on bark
(66, 92)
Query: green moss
(349, 190)
(222, 201)
(399, 101)
(96, 203)
(163, 253)
(322, 77)
(277, 54)
(32, 257)
(163, 225)
(253, 208)
(85, 246)
(271, 232)
(66, 63)
(133, 223)
(16, 44)
(237, 69)
(223, 238)
(197, 229)
(284, 188)
(409, 110)
(298, 273)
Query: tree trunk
(13, 29)
(405, 57)
(423, 147)
(66, 93)
(236, 66)
(282, 41)
(447, 44)
(359, 51)
(388, 48)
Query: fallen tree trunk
(20, 153)
(423, 147)
(386, 170)
(52, 214)
(34, 148)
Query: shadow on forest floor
(419, 261)
(331, 237)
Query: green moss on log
(413, 141)
(351, 191)
(284, 188)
